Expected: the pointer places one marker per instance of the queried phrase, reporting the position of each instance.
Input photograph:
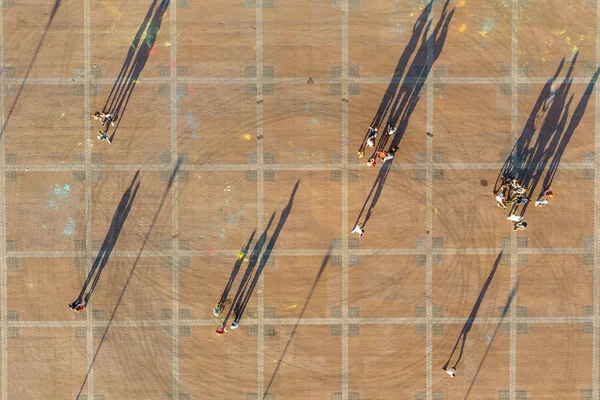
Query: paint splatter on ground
(61, 193)
(193, 125)
(70, 228)
(462, 28)
(489, 25)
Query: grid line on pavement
(400, 321)
(295, 81)
(307, 252)
(345, 229)
(276, 167)
(3, 265)
(514, 120)
(596, 305)
(174, 202)
(88, 185)
(260, 180)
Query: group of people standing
(511, 192)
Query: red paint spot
(210, 250)
(152, 50)
(190, 88)
(172, 65)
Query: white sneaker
(234, 325)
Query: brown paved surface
(254, 100)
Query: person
(521, 200)
(360, 231)
(102, 136)
(78, 305)
(519, 226)
(98, 116)
(390, 154)
(450, 371)
(109, 117)
(381, 154)
(361, 154)
(391, 130)
(234, 325)
(371, 138)
(371, 162)
(515, 218)
(500, 200)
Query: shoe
(234, 325)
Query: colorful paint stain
(70, 228)
(193, 125)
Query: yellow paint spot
(168, 44)
(462, 28)
(435, 211)
(483, 33)
(112, 9)
(241, 255)
(461, 3)
(290, 307)
(247, 136)
(558, 32)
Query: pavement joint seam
(293, 81)
(174, 202)
(3, 265)
(429, 219)
(596, 305)
(274, 167)
(306, 252)
(88, 185)
(397, 321)
(260, 191)
(513, 237)
(345, 228)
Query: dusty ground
(332, 316)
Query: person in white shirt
(358, 230)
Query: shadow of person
(110, 240)
(462, 337)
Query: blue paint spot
(179, 96)
(314, 121)
(193, 125)
(222, 235)
(62, 193)
(51, 203)
(230, 219)
(489, 339)
(70, 228)
(307, 107)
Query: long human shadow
(401, 105)
(530, 160)
(252, 261)
(133, 268)
(489, 346)
(394, 84)
(130, 55)
(287, 345)
(573, 124)
(110, 240)
(119, 98)
(469, 323)
(28, 71)
(246, 290)
(236, 267)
